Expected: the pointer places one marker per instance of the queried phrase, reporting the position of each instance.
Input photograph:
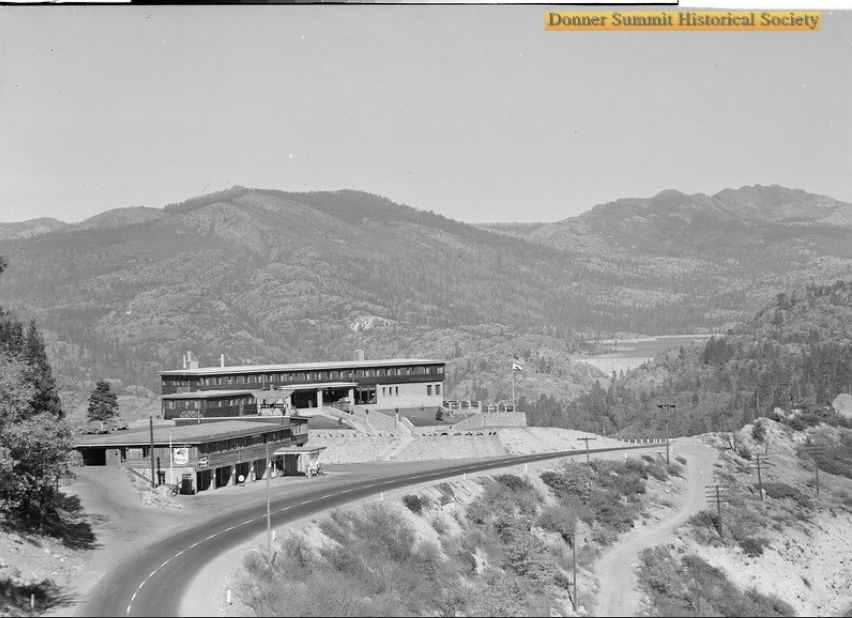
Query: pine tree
(103, 404)
(46, 398)
(34, 443)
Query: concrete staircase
(335, 414)
(397, 447)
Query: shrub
(758, 431)
(676, 469)
(681, 460)
(783, 490)
(833, 459)
(673, 589)
(753, 546)
(559, 518)
(513, 482)
(705, 519)
(569, 479)
(499, 503)
(439, 415)
(744, 452)
(415, 503)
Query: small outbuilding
(199, 454)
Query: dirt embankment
(358, 447)
(806, 559)
(618, 595)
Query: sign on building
(180, 455)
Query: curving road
(152, 582)
(618, 595)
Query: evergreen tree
(46, 398)
(103, 404)
(34, 443)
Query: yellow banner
(679, 21)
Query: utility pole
(733, 420)
(664, 407)
(812, 451)
(717, 494)
(760, 460)
(151, 449)
(268, 506)
(586, 440)
(695, 571)
(574, 565)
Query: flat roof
(289, 450)
(268, 393)
(200, 433)
(208, 394)
(318, 366)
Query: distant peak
(668, 193)
(670, 197)
(756, 189)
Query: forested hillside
(265, 276)
(269, 276)
(795, 353)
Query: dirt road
(618, 595)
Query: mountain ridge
(265, 275)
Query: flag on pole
(516, 363)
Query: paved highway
(152, 582)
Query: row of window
(393, 391)
(132, 453)
(192, 404)
(307, 376)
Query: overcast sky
(474, 112)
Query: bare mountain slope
(25, 229)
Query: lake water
(625, 354)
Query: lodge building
(383, 385)
(200, 454)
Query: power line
(665, 407)
(694, 570)
(587, 440)
(812, 451)
(717, 494)
(573, 537)
(759, 462)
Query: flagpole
(513, 386)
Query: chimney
(221, 360)
(184, 361)
(359, 355)
(193, 361)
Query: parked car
(112, 424)
(116, 424)
(96, 427)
